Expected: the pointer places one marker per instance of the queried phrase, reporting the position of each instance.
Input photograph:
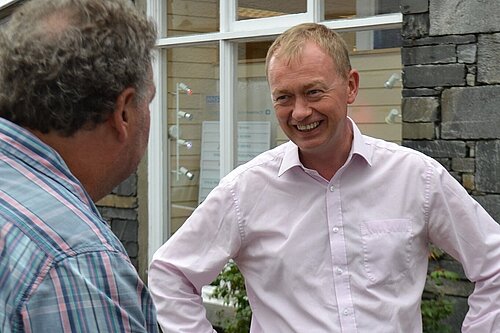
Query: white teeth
(308, 127)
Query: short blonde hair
(288, 46)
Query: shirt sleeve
(93, 292)
(191, 259)
(462, 228)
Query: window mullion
(158, 179)
(228, 58)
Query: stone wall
(451, 101)
(120, 209)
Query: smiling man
(327, 236)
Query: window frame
(230, 34)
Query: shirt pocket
(386, 249)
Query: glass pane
(257, 129)
(376, 54)
(252, 9)
(342, 9)
(193, 130)
(188, 17)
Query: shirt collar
(358, 148)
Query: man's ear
(120, 118)
(353, 86)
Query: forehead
(309, 55)
(311, 65)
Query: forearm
(179, 304)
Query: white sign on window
(254, 137)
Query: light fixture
(186, 143)
(174, 132)
(186, 115)
(183, 87)
(185, 171)
(389, 84)
(392, 116)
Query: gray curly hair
(63, 63)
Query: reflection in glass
(191, 17)
(257, 129)
(193, 101)
(345, 9)
(255, 9)
(376, 54)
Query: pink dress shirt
(346, 255)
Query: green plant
(230, 287)
(435, 307)
(434, 310)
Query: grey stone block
(488, 166)
(418, 131)
(471, 80)
(415, 26)
(460, 308)
(414, 6)
(421, 92)
(461, 164)
(132, 249)
(429, 54)
(109, 213)
(128, 187)
(487, 59)
(440, 40)
(420, 109)
(434, 75)
(125, 230)
(438, 148)
(467, 53)
(462, 16)
(470, 113)
(445, 162)
(491, 203)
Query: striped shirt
(61, 267)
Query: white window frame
(231, 33)
(6, 3)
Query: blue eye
(281, 99)
(313, 92)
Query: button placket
(340, 274)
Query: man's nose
(301, 109)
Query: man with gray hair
(75, 87)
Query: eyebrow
(305, 87)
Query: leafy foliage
(230, 287)
(435, 308)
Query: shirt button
(335, 229)
(346, 312)
(339, 270)
(332, 188)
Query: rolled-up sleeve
(191, 259)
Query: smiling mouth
(308, 127)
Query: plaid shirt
(61, 267)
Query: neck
(327, 163)
(80, 153)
